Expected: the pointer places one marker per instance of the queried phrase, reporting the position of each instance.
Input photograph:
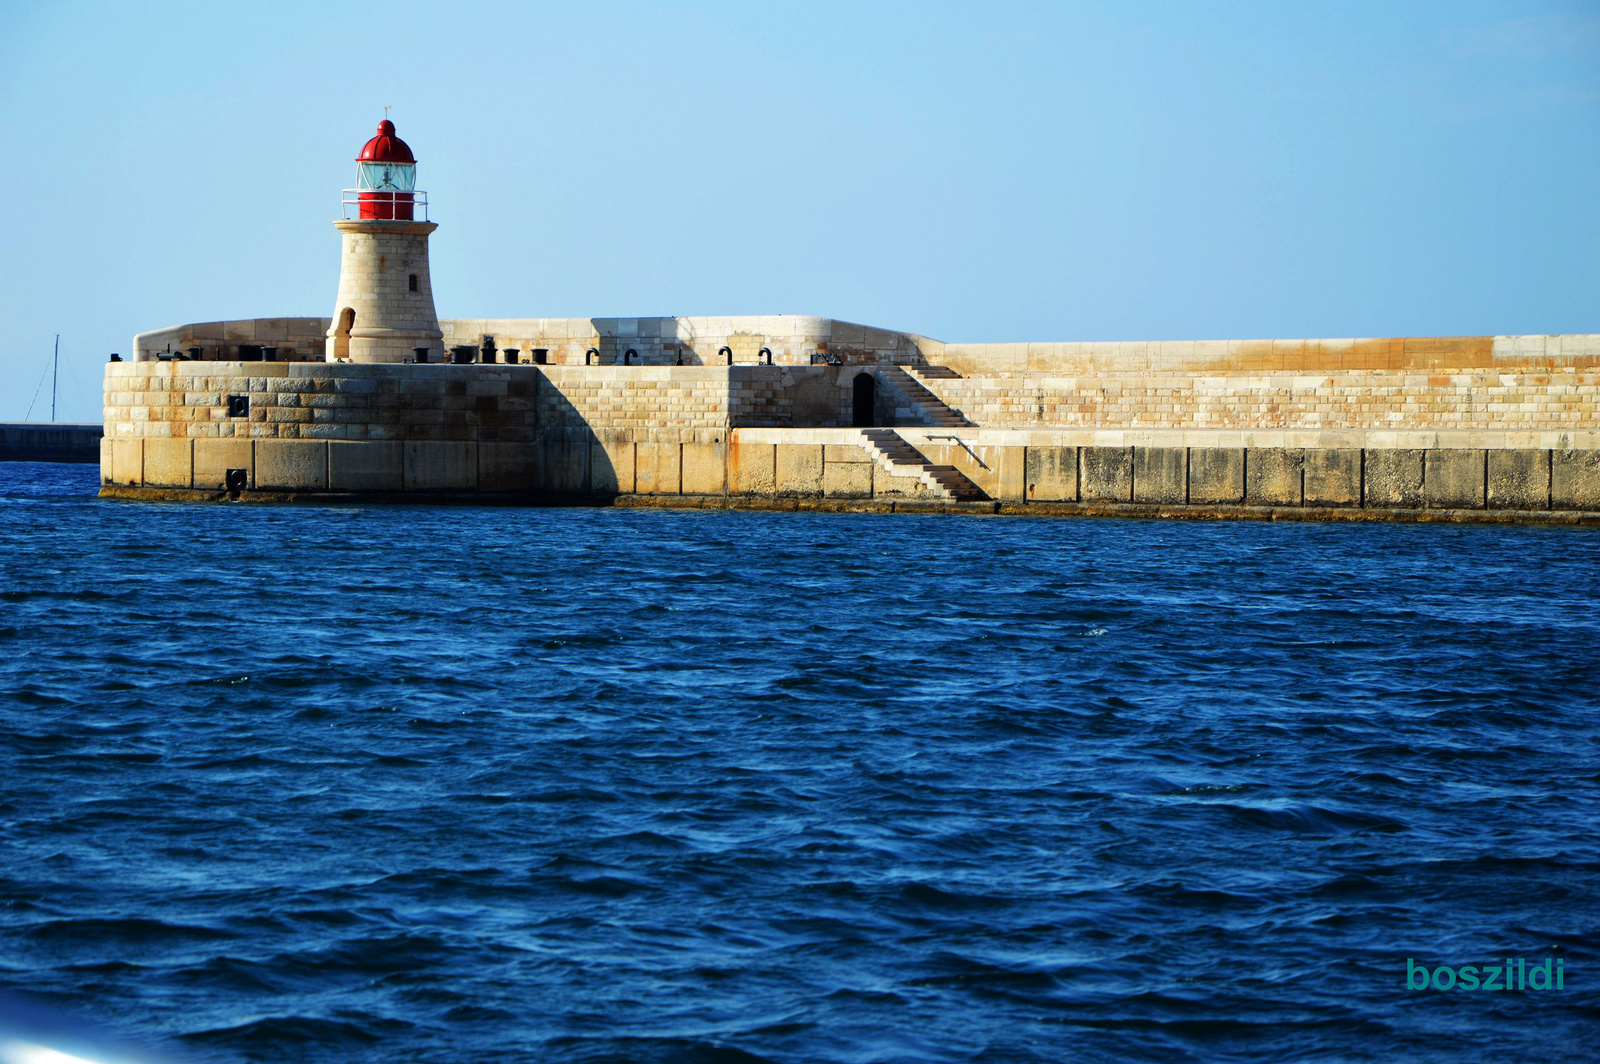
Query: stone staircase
(933, 410)
(905, 461)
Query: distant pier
(35, 441)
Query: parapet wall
(803, 340)
(783, 339)
(1168, 358)
(295, 340)
(787, 339)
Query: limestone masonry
(384, 399)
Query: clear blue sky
(971, 172)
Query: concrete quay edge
(1124, 511)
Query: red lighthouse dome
(386, 147)
(386, 177)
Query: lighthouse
(384, 312)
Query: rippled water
(440, 784)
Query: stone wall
(499, 403)
(660, 401)
(1492, 470)
(1171, 473)
(1480, 399)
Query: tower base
(384, 311)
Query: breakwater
(1366, 430)
(31, 441)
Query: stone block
(441, 465)
(658, 468)
(1332, 476)
(361, 465)
(845, 452)
(1519, 479)
(1010, 474)
(1272, 476)
(1160, 474)
(905, 487)
(126, 464)
(798, 468)
(1575, 480)
(704, 472)
(1052, 474)
(509, 467)
(1452, 478)
(1107, 474)
(751, 468)
(847, 480)
(565, 468)
(611, 470)
(291, 465)
(1392, 478)
(168, 463)
(213, 459)
(1216, 474)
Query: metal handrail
(964, 447)
(351, 197)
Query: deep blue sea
(376, 783)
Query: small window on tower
(413, 282)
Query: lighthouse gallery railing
(384, 206)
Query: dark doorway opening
(865, 389)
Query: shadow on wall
(576, 459)
(571, 457)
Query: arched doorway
(341, 335)
(865, 389)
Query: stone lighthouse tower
(384, 312)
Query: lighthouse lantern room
(384, 311)
(386, 178)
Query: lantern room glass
(386, 190)
(386, 177)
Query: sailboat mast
(55, 371)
